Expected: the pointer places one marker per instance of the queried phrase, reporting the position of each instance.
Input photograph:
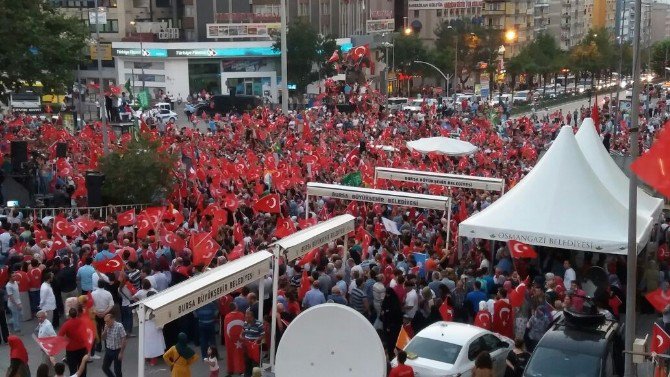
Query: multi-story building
(604, 14)
(123, 19)
(517, 15)
(660, 21)
(547, 18)
(427, 16)
(627, 23)
(576, 16)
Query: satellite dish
(352, 349)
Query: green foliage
(38, 44)
(594, 54)
(660, 56)
(305, 49)
(409, 48)
(140, 174)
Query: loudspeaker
(19, 153)
(61, 150)
(94, 181)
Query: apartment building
(660, 21)
(427, 16)
(517, 15)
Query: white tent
(442, 145)
(609, 173)
(560, 203)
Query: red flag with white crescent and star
(658, 299)
(109, 265)
(233, 323)
(52, 345)
(204, 248)
(268, 203)
(285, 227)
(660, 340)
(126, 218)
(503, 318)
(520, 250)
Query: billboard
(380, 26)
(442, 4)
(244, 30)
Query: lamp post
(446, 78)
(501, 72)
(101, 96)
(134, 23)
(284, 59)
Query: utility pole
(631, 260)
(101, 96)
(284, 60)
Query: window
(266, 9)
(303, 9)
(492, 343)
(112, 26)
(475, 349)
(146, 77)
(416, 14)
(163, 3)
(325, 8)
(562, 363)
(145, 65)
(439, 13)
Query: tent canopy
(609, 173)
(560, 203)
(442, 145)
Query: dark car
(576, 346)
(224, 104)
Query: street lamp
(510, 36)
(134, 24)
(501, 71)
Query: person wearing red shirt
(402, 370)
(34, 283)
(74, 329)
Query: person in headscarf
(391, 317)
(180, 357)
(18, 358)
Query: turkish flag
(520, 250)
(334, 57)
(172, 240)
(85, 224)
(305, 285)
(308, 258)
(503, 318)
(143, 226)
(238, 232)
(660, 340)
(518, 294)
(284, 228)
(59, 243)
(204, 248)
(127, 218)
(306, 223)
(237, 252)
(446, 312)
(652, 167)
(109, 265)
(230, 202)
(595, 115)
(483, 319)
(365, 239)
(268, 203)
(52, 345)
(233, 323)
(658, 299)
(63, 228)
(253, 350)
(154, 215)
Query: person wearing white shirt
(103, 303)
(47, 297)
(44, 329)
(569, 275)
(411, 300)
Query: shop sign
(243, 30)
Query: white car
(396, 103)
(449, 349)
(416, 104)
(165, 115)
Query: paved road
(198, 369)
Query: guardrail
(93, 212)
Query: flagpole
(105, 135)
(631, 262)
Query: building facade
(660, 21)
(576, 16)
(427, 16)
(517, 15)
(627, 23)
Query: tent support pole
(306, 206)
(345, 254)
(375, 178)
(273, 326)
(448, 222)
(140, 357)
(261, 301)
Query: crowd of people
(56, 270)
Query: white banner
(451, 180)
(200, 290)
(390, 226)
(380, 26)
(395, 198)
(298, 244)
(442, 4)
(246, 30)
(540, 239)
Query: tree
(140, 174)
(305, 49)
(407, 49)
(38, 44)
(660, 56)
